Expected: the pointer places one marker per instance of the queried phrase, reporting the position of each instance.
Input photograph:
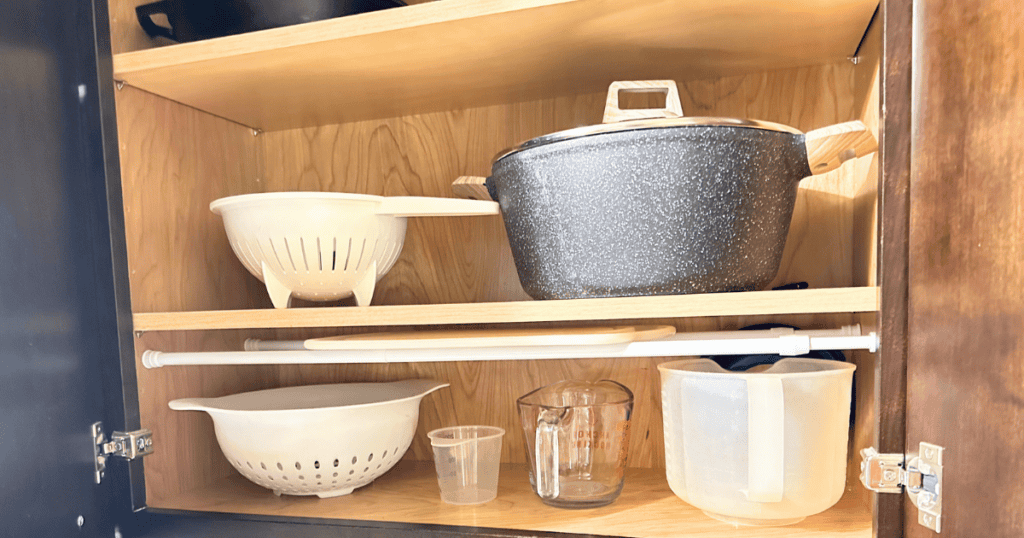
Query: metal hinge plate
(125, 445)
(920, 474)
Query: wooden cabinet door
(965, 358)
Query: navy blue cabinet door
(61, 296)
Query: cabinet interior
(175, 159)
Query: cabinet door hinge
(919, 474)
(126, 445)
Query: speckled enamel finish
(650, 212)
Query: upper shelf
(752, 303)
(454, 54)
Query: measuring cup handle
(766, 438)
(546, 455)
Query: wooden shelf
(753, 303)
(408, 494)
(456, 54)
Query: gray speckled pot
(650, 212)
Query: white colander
(323, 440)
(323, 246)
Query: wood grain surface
(447, 260)
(409, 493)
(894, 165)
(174, 161)
(750, 303)
(965, 360)
(482, 52)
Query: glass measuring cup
(577, 436)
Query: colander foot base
(335, 493)
(363, 290)
(280, 296)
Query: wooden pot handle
(829, 147)
(614, 114)
(472, 187)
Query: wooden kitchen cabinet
(264, 114)
(401, 102)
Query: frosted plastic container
(766, 448)
(466, 459)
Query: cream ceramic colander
(323, 440)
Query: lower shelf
(409, 494)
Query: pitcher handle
(546, 454)
(766, 438)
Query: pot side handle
(471, 187)
(829, 147)
(614, 114)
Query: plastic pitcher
(765, 448)
(577, 435)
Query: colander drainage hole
(316, 464)
(366, 469)
(280, 467)
(336, 463)
(271, 478)
(319, 484)
(301, 477)
(264, 465)
(378, 465)
(353, 471)
(335, 475)
(318, 477)
(298, 466)
(354, 460)
(385, 454)
(370, 458)
(285, 478)
(249, 464)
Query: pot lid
(642, 124)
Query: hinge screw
(81, 522)
(257, 132)
(120, 84)
(929, 453)
(889, 475)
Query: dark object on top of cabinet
(193, 20)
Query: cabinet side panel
(175, 160)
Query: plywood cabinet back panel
(468, 259)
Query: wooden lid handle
(614, 114)
(471, 187)
(829, 147)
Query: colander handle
(421, 206)
(766, 438)
(614, 114)
(188, 404)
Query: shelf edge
(819, 301)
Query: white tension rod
(779, 341)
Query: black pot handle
(474, 188)
(145, 14)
